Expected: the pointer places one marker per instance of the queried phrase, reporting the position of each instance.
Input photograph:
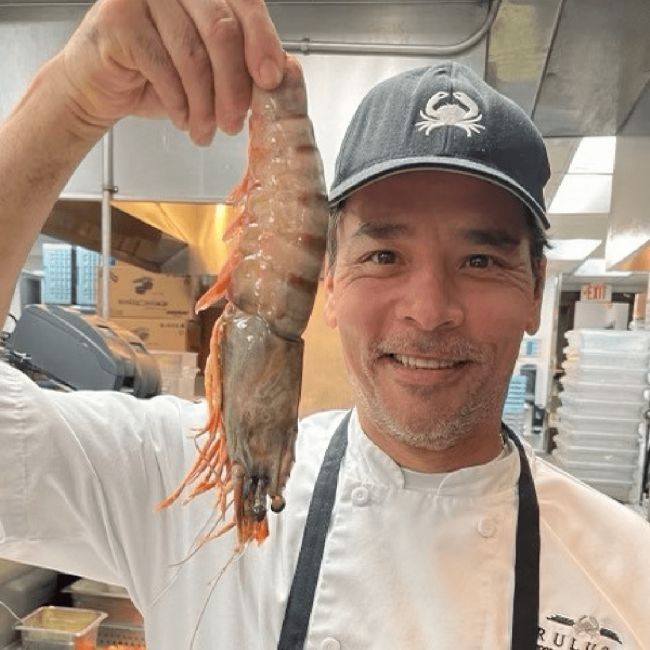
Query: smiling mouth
(426, 364)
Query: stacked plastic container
(177, 371)
(87, 263)
(601, 431)
(515, 404)
(56, 286)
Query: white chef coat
(410, 561)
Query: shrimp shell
(254, 371)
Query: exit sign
(596, 291)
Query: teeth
(431, 364)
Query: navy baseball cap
(443, 117)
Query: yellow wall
(324, 383)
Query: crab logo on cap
(463, 113)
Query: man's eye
(382, 257)
(480, 261)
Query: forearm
(41, 143)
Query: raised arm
(192, 61)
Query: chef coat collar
(374, 466)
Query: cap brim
(472, 168)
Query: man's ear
(330, 301)
(538, 293)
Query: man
(426, 518)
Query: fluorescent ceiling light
(594, 156)
(572, 249)
(583, 194)
(596, 267)
(587, 187)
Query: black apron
(303, 587)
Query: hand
(193, 61)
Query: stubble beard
(441, 429)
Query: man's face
(431, 293)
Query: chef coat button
(487, 528)
(360, 496)
(330, 644)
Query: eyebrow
(497, 237)
(381, 230)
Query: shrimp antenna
(204, 532)
(237, 553)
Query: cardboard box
(136, 293)
(157, 333)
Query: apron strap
(525, 615)
(303, 587)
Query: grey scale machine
(82, 352)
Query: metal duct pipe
(307, 46)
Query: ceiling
(578, 67)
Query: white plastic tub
(638, 392)
(586, 470)
(177, 371)
(608, 359)
(585, 423)
(593, 454)
(612, 341)
(614, 441)
(611, 408)
(596, 374)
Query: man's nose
(431, 299)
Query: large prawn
(254, 370)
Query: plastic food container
(608, 359)
(586, 423)
(613, 408)
(610, 341)
(177, 371)
(638, 393)
(587, 471)
(598, 374)
(56, 628)
(612, 441)
(594, 454)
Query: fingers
(116, 64)
(223, 39)
(192, 60)
(191, 63)
(164, 84)
(217, 46)
(264, 53)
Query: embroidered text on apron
(303, 587)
